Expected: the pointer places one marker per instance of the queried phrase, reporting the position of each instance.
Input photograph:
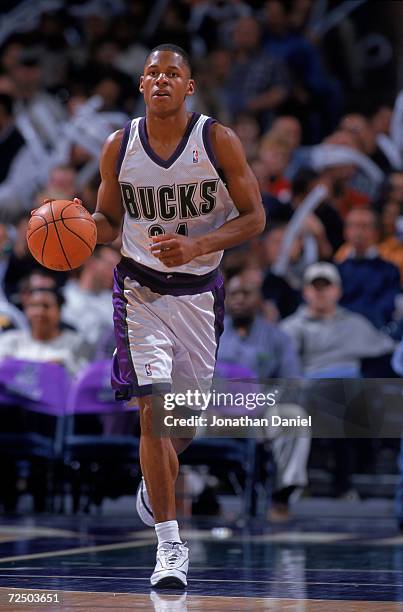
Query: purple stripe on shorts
(168, 283)
(123, 146)
(219, 310)
(124, 379)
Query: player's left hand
(174, 249)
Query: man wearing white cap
(331, 340)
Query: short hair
(174, 49)
(57, 293)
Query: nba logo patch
(195, 156)
(148, 369)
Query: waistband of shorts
(169, 283)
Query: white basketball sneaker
(172, 565)
(143, 505)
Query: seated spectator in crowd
(257, 82)
(389, 212)
(44, 340)
(330, 340)
(274, 152)
(11, 140)
(395, 186)
(391, 248)
(370, 284)
(280, 292)
(88, 304)
(39, 278)
(314, 96)
(341, 178)
(61, 185)
(33, 103)
(250, 340)
(247, 129)
(289, 129)
(20, 261)
(313, 230)
(366, 137)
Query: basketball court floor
(322, 561)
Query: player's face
(166, 82)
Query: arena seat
(32, 404)
(101, 444)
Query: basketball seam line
(56, 221)
(58, 237)
(44, 242)
(73, 232)
(38, 228)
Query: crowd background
(311, 87)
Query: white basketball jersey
(183, 194)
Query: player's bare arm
(109, 211)
(174, 249)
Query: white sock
(168, 531)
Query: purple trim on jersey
(123, 146)
(123, 378)
(206, 133)
(166, 163)
(168, 283)
(219, 310)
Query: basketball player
(182, 186)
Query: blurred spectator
(11, 140)
(89, 193)
(45, 340)
(314, 95)
(391, 248)
(360, 126)
(278, 291)
(380, 119)
(320, 226)
(173, 26)
(40, 278)
(390, 211)
(213, 22)
(289, 129)
(330, 340)
(257, 82)
(370, 284)
(88, 305)
(395, 186)
(250, 340)
(247, 129)
(33, 103)
(20, 262)
(342, 193)
(211, 75)
(274, 152)
(61, 185)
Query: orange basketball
(61, 234)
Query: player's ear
(190, 88)
(141, 84)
